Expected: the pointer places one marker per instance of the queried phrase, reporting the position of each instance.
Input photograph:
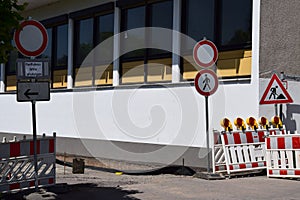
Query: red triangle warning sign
(275, 93)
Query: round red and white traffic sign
(206, 82)
(31, 39)
(205, 53)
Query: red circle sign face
(31, 39)
(206, 82)
(205, 53)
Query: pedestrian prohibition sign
(275, 93)
(206, 82)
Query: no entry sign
(31, 39)
(205, 53)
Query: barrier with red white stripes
(218, 156)
(283, 156)
(239, 152)
(277, 131)
(17, 166)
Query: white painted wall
(173, 116)
(291, 111)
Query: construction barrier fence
(17, 163)
(283, 156)
(239, 151)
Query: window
(90, 32)
(48, 51)
(83, 39)
(227, 23)
(10, 70)
(61, 57)
(236, 22)
(105, 30)
(146, 65)
(134, 18)
(198, 23)
(57, 52)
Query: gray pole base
(209, 176)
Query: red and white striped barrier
(17, 167)
(218, 156)
(283, 156)
(25, 148)
(241, 151)
(26, 184)
(277, 131)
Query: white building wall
(173, 116)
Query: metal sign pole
(34, 145)
(276, 109)
(207, 133)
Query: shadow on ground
(85, 191)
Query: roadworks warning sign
(275, 93)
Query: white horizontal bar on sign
(297, 150)
(244, 144)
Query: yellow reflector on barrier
(276, 122)
(252, 123)
(226, 124)
(263, 121)
(240, 124)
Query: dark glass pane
(106, 27)
(236, 22)
(48, 52)
(13, 56)
(199, 21)
(84, 42)
(105, 31)
(62, 46)
(135, 18)
(161, 16)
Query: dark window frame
(129, 4)
(217, 26)
(217, 31)
(53, 23)
(90, 13)
(245, 45)
(8, 72)
(93, 13)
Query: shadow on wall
(288, 119)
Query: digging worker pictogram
(273, 92)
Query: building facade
(122, 74)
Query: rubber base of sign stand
(209, 176)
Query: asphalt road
(108, 186)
